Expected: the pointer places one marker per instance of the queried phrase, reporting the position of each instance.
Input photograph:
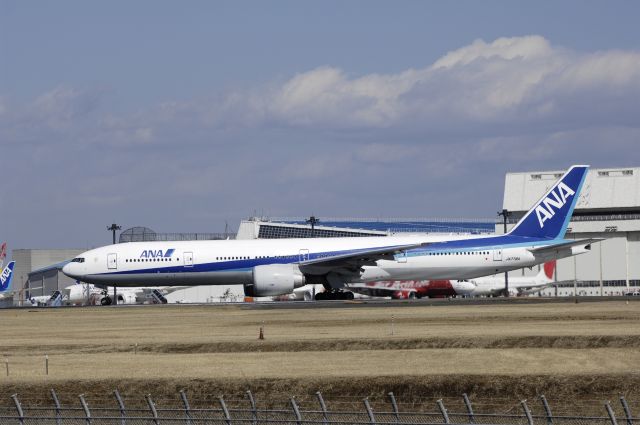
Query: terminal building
(608, 208)
(296, 227)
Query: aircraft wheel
(105, 301)
(348, 295)
(321, 296)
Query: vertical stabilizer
(549, 217)
(6, 277)
(3, 253)
(549, 268)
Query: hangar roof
(614, 189)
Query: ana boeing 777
(268, 267)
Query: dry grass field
(582, 351)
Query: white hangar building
(608, 208)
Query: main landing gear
(106, 299)
(334, 294)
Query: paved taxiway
(386, 303)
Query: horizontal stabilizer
(556, 246)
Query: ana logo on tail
(545, 211)
(5, 277)
(549, 217)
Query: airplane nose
(68, 270)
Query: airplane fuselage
(232, 261)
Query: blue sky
(184, 116)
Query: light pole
(113, 229)
(505, 215)
(313, 221)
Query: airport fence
(247, 411)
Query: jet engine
(274, 279)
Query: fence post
(467, 403)
(18, 408)
(225, 410)
(85, 407)
(56, 402)
(547, 410)
(296, 411)
(394, 406)
(612, 415)
(367, 406)
(187, 408)
(254, 410)
(527, 412)
(152, 407)
(323, 407)
(123, 411)
(627, 411)
(443, 410)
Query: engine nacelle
(127, 298)
(274, 279)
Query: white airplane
(5, 279)
(269, 267)
(84, 293)
(40, 300)
(487, 286)
(494, 285)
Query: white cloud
(511, 81)
(507, 87)
(62, 106)
(529, 48)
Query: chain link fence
(248, 411)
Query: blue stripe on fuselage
(243, 264)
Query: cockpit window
(78, 260)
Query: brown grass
(587, 350)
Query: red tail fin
(3, 251)
(549, 268)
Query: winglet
(6, 276)
(549, 217)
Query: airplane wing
(354, 260)
(170, 289)
(553, 248)
(533, 289)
